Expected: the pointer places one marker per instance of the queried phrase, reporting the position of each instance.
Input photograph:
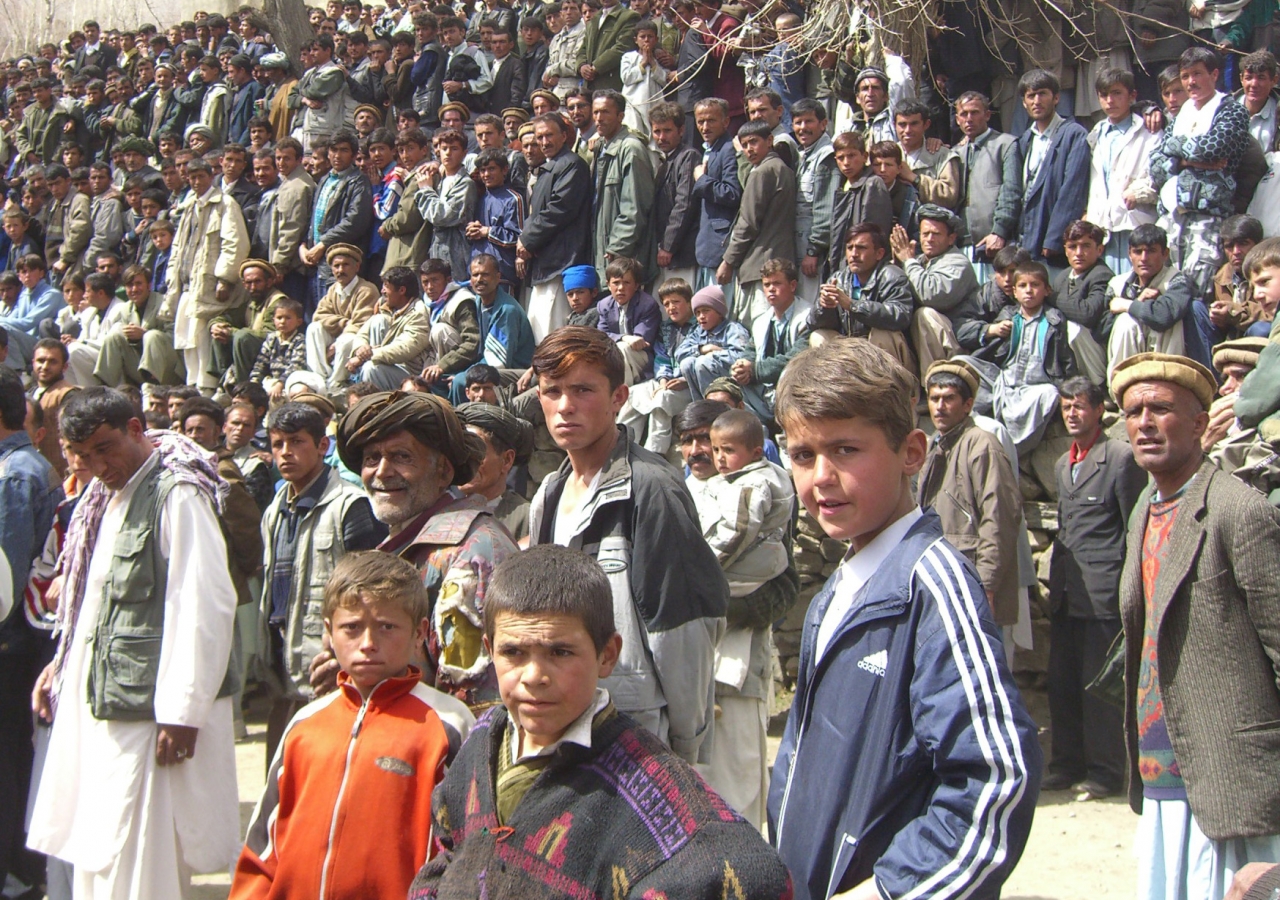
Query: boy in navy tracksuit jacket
(909, 766)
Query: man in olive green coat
(625, 191)
(610, 33)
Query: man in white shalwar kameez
(136, 807)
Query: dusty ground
(1077, 851)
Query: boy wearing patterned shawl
(557, 792)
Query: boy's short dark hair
(1008, 256)
(483, 373)
(565, 347)
(849, 380)
(1148, 236)
(88, 409)
(1168, 75)
(622, 266)
(755, 129)
(1109, 78)
(291, 305)
(741, 424)
(878, 238)
(201, 406)
(909, 108)
(667, 112)
(493, 156)
(1199, 55)
(886, 150)
(850, 140)
(1080, 386)
(296, 418)
(372, 575)
(1031, 269)
(381, 135)
(806, 106)
(254, 394)
(1240, 228)
(676, 286)
(551, 580)
(1260, 62)
(436, 267)
(1081, 229)
(1038, 80)
(101, 282)
(950, 380)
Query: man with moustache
(1198, 600)
(412, 453)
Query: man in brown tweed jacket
(1200, 602)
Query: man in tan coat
(394, 344)
(970, 483)
(69, 228)
(211, 243)
(290, 216)
(346, 306)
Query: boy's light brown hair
(1031, 270)
(1264, 255)
(565, 347)
(372, 575)
(740, 425)
(849, 379)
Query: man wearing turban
(412, 452)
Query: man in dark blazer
(716, 189)
(507, 68)
(557, 231)
(675, 212)
(610, 33)
(1098, 484)
(94, 51)
(1200, 603)
(1054, 156)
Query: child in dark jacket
(630, 317)
(556, 787)
(1080, 292)
(284, 351)
(1022, 369)
(903, 619)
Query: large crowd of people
(452, 384)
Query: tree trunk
(290, 28)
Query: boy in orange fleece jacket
(346, 811)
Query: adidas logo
(875, 663)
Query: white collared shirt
(578, 733)
(856, 570)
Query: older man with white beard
(412, 453)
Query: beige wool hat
(1177, 370)
(958, 367)
(1243, 350)
(351, 251)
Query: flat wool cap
(957, 367)
(1177, 370)
(1243, 350)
